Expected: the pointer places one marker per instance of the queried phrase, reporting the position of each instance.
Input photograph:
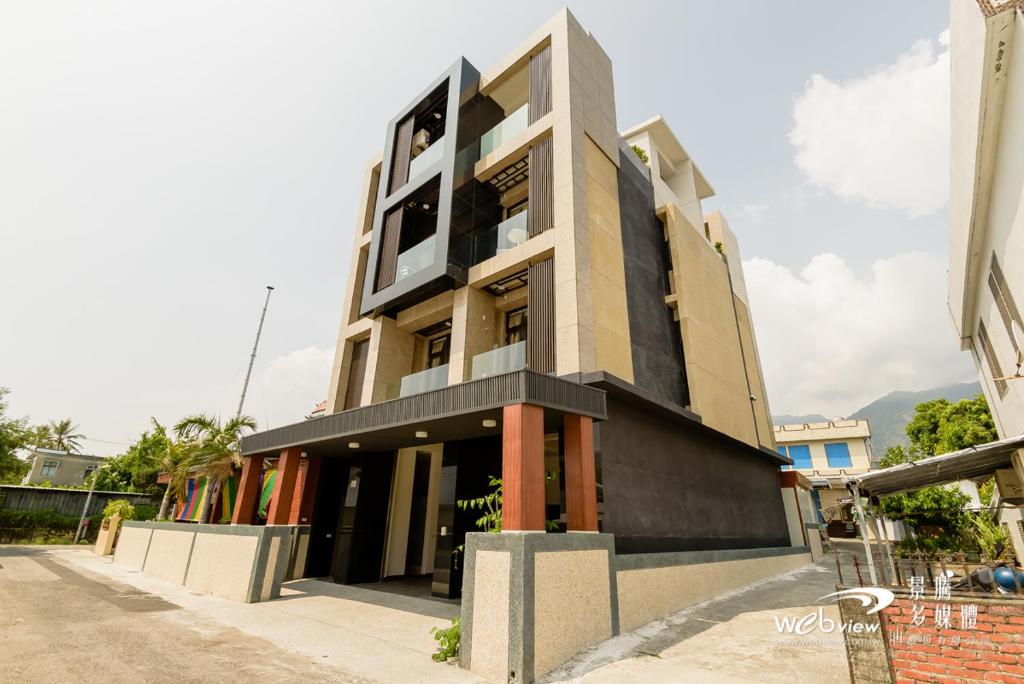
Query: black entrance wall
(324, 527)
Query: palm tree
(213, 449)
(175, 462)
(63, 436)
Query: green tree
(213, 449)
(15, 435)
(938, 427)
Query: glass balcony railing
(424, 381)
(489, 242)
(514, 124)
(415, 258)
(426, 158)
(505, 359)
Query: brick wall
(991, 651)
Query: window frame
(832, 446)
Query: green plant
(639, 151)
(43, 527)
(989, 535)
(719, 248)
(119, 507)
(448, 640)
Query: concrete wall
(240, 562)
(533, 601)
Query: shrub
(146, 512)
(641, 153)
(119, 507)
(448, 641)
(43, 527)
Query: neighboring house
(528, 300)
(986, 227)
(827, 454)
(986, 255)
(60, 467)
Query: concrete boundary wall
(244, 563)
(531, 601)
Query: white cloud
(883, 138)
(753, 212)
(289, 387)
(831, 342)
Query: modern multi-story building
(986, 254)
(827, 454)
(59, 467)
(532, 297)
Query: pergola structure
(972, 463)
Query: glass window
(49, 468)
(782, 450)
(515, 326)
(838, 455)
(437, 352)
(801, 455)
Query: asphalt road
(58, 624)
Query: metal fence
(64, 501)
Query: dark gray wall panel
(658, 365)
(669, 486)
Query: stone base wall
(531, 601)
(244, 563)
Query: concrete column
(284, 486)
(580, 474)
(522, 468)
(248, 491)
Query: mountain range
(888, 416)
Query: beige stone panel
(719, 405)
(168, 555)
(222, 565)
(567, 349)
(572, 605)
(491, 615)
(132, 545)
(755, 378)
(650, 594)
(722, 357)
(429, 312)
(389, 360)
(474, 331)
(793, 522)
(613, 353)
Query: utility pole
(252, 359)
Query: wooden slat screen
(540, 84)
(388, 261)
(542, 200)
(540, 321)
(356, 374)
(403, 155)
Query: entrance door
(324, 527)
(418, 516)
(362, 521)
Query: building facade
(986, 277)
(827, 454)
(60, 467)
(529, 301)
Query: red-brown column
(248, 491)
(309, 487)
(522, 468)
(580, 474)
(284, 486)
(300, 484)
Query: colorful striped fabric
(196, 489)
(228, 491)
(268, 490)
(184, 505)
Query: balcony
(498, 239)
(415, 258)
(505, 359)
(424, 381)
(514, 124)
(426, 158)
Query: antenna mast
(252, 359)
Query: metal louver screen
(388, 262)
(540, 321)
(541, 189)
(540, 84)
(402, 157)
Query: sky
(160, 164)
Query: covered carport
(974, 463)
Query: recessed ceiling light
(353, 445)
(425, 206)
(421, 434)
(437, 115)
(490, 422)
